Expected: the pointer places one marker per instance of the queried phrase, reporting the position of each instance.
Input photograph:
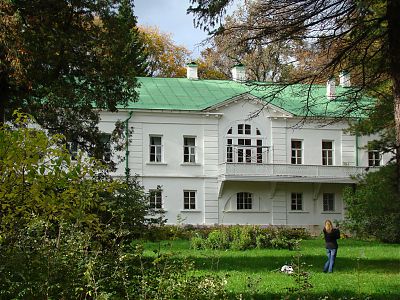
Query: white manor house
(223, 153)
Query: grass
(363, 270)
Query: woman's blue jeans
(331, 253)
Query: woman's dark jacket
(331, 238)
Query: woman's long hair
(328, 226)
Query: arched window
(245, 144)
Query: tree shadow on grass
(342, 294)
(271, 263)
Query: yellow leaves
(165, 58)
(37, 176)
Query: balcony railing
(321, 173)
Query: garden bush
(247, 237)
(373, 206)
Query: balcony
(289, 173)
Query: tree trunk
(393, 13)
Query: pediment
(254, 106)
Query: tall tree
(264, 61)
(361, 36)
(164, 57)
(61, 59)
(211, 66)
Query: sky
(170, 16)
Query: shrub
(373, 207)
(197, 243)
(248, 237)
(218, 239)
(242, 238)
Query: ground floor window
(155, 199)
(297, 201)
(244, 200)
(328, 202)
(189, 199)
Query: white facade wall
(216, 192)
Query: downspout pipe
(127, 170)
(357, 136)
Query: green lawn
(363, 269)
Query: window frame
(328, 202)
(327, 154)
(191, 150)
(246, 145)
(155, 199)
(244, 201)
(296, 157)
(229, 150)
(375, 160)
(189, 199)
(73, 149)
(296, 203)
(158, 149)
(244, 129)
(106, 141)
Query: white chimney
(238, 73)
(191, 71)
(344, 79)
(330, 88)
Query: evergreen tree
(61, 59)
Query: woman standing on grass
(331, 236)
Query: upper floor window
(155, 199)
(327, 153)
(229, 151)
(328, 202)
(297, 152)
(259, 151)
(189, 149)
(244, 200)
(374, 158)
(245, 146)
(297, 201)
(155, 148)
(189, 199)
(244, 151)
(244, 129)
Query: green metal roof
(198, 95)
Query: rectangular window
(155, 148)
(244, 154)
(244, 200)
(248, 155)
(189, 149)
(73, 149)
(374, 158)
(189, 199)
(328, 202)
(297, 153)
(297, 201)
(229, 151)
(327, 153)
(247, 129)
(259, 152)
(155, 199)
(106, 141)
(244, 129)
